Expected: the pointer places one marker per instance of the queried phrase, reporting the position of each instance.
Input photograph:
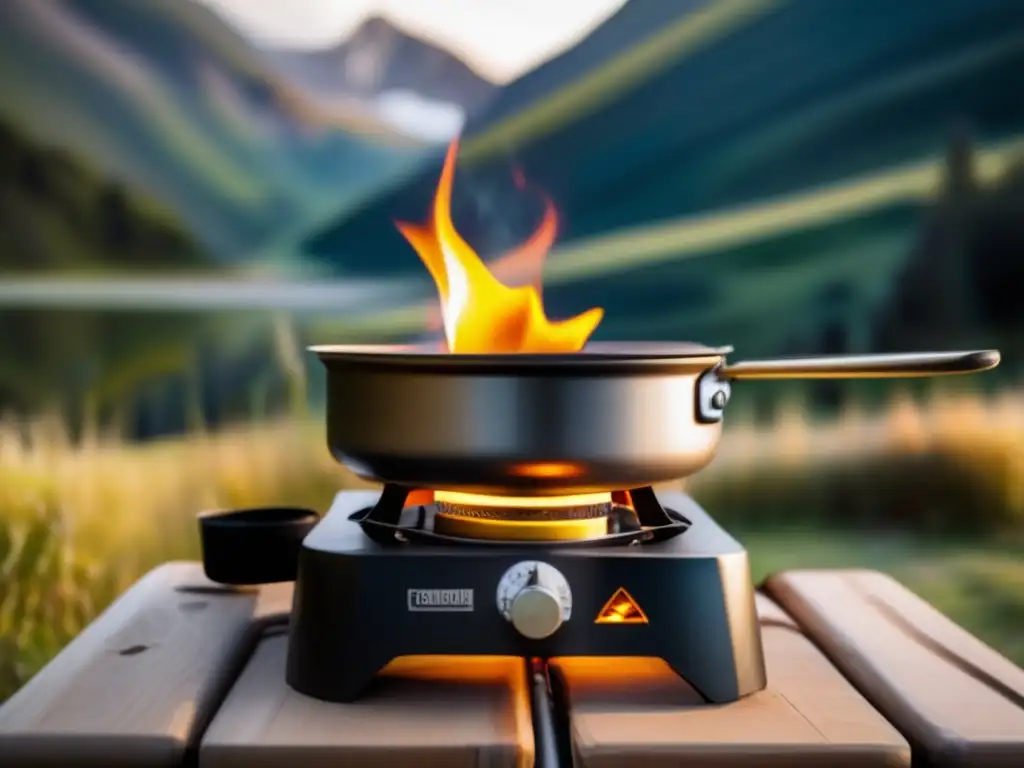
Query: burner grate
(391, 522)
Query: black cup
(245, 547)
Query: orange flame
(522, 265)
(480, 313)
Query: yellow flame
(480, 314)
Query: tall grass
(953, 462)
(80, 521)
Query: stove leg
(352, 686)
(719, 680)
(343, 679)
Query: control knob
(536, 599)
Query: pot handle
(891, 366)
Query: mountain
(401, 78)
(168, 98)
(729, 104)
(634, 22)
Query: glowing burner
(522, 518)
(522, 502)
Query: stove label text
(440, 599)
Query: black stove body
(364, 597)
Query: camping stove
(388, 574)
(499, 529)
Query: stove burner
(393, 521)
(542, 514)
(499, 519)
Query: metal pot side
(519, 432)
(611, 418)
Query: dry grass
(79, 523)
(954, 462)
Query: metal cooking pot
(612, 417)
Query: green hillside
(167, 97)
(779, 154)
(57, 213)
(756, 109)
(831, 267)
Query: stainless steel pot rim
(598, 352)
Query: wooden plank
(136, 687)
(958, 701)
(422, 711)
(627, 712)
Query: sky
(501, 39)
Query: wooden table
(181, 672)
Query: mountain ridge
(884, 94)
(380, 55)
(166, 97)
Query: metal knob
(535, 598)
(536, 612)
